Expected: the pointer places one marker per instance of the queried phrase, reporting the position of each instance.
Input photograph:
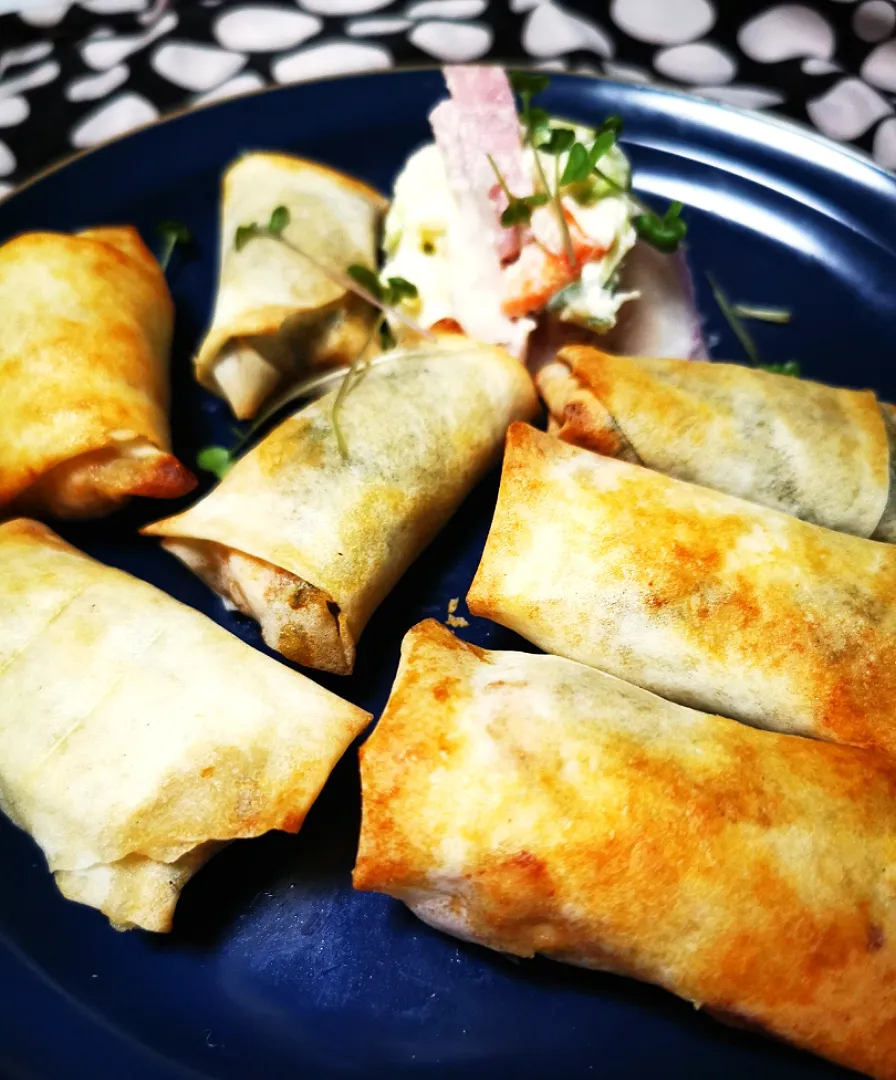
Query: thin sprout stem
(779, 316)
(337, 404)
(564, 231)
(351, 380)
(167, 251)
(349, 284)
(740, 331)
(561, 217)
(501, 180)
(620, 190)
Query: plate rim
(784, 124)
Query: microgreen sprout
(735, 313)
(731, 317)
(216, 460)
(519, 210)
(172, 234)
(277, 222)
(664, 233)
(537, 132)
(273, 230)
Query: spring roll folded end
(532, 805)
(135, 892)
(297, 619)
(243, 377)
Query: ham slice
(479, 120)
(483, 97)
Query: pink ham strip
(477, 288)
(485, 104)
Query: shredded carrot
(538, 274)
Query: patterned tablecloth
(75, 74)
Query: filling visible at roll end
(297, 619)
(576, 414)
(96, 483)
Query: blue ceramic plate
(276, 968)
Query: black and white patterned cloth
(75, 74)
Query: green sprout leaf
(604, 142)
(528, 83)
(367, 279)
(172, 234)
(612, 123)
(664, 233)
(538, 125)
(519, 212)
(558, 142)
(399, 288)
(577, 167)
(789, 367)
(244, 234)
(216, 460)
(655, 232)
(279, 220)
(516, 214)
(387, 337)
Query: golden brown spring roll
(537, 806)
(276, 313)
(706, 599)
(308, 543)
(85, 333)
(819, 452)
(137, 736)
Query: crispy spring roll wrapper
(819, 452)
(706, 599)
(85, 334)
(533, 805)
(309, 544)
(276, 313)
(137, 736)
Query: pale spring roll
(137, 736)
(706, 599)
(276, 313)
(537, 806)
(819, 452)
(85, 335)
(309, 543)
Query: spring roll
(86, 332)
(137, 736)
(701, 597)
(276, 313)
(309, 543)
(533, 805)
(819, 452)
